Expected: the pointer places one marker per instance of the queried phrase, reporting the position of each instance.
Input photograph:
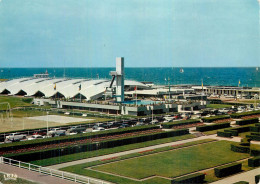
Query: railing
(51, 172)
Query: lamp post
(47, 123)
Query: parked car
(124, 126)
(40, 132)
(56, 132)
(97, 129)
(15, 137)
(36, 137)
(75, 129)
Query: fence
(51, 172)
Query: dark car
(124, 126)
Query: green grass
(175, 163)
(211, 132)
(214, 147)
(15, 102)
(218, 106)
(18, 180)
(89, 154)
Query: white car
(36, 137)
(98, 129)
(15, 137)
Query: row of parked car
(85, 128)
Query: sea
(243, 77)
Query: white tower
(120, 96)
(119, 75)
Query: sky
(147, 33)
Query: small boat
(181, 70)
(256, 68)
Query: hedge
(241, 182)
(212, 127)
(236, 131)
(254, 137)
(179, 123)
(247, 121)
(254, 128)
(54, 140)
(255, 133)
(224, 134)
(54, 152)
(227, 170)
(255, 152)
(215, 118)
(193, 178)
(239, 115)
(237, 147)
(257, 179)
(254, 162)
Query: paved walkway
(248, 176)
(32, 176)
(58, 166)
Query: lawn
(218, 106)
(175, 163)
(89, 154)
(15, 101)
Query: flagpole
(136, 95)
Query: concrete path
(32, 176)
(58, 166)
(248, 176)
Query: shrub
(212, 127)
(255, 128)
(254, 162)
(254, 137)
(236, 131)
(237, 147)
(247, 121)
(241, 182)
(257, 179)
(224, 134)
(227, 170)
(180, 123)
(27, 100)
(215, 118)
(255, 152)
(193, 178)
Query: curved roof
(67, 87)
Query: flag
(135, 88)
(79, 87)
(239, 81)
(202, 84)
(55, 86)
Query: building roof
(66, 87)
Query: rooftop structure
(60, 87)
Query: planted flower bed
(180, 123)
(60, 151)
(240, 115)
(215, 118)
